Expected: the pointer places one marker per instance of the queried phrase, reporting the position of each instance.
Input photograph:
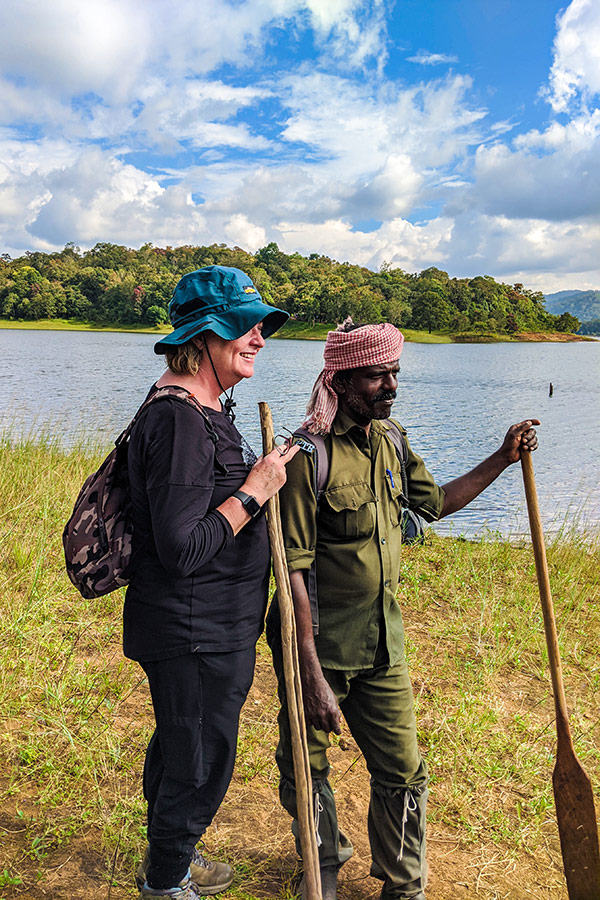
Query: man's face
(369, 392)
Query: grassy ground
(318, 332)
(291, 331)
(301, 331)
(75, 717)
(73, 325)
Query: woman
(195, 604)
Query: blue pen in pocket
(390, 476)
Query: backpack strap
(184, 396)
(413, 525)
(394, 433)
(314, 445)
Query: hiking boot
(211, 877)
(186, 890)
(329, 875)
(419, 896)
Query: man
(351, 649)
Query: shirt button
(386, 583)
(383, 540)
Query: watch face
(252, 506)
(249, 503)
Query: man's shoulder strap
(396, 435)
(314, 445)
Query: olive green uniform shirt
(355, 538)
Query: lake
(455, 400)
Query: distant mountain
(585, 305)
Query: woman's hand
(268, 473)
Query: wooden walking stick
(293, 686)
(573, 795)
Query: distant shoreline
(303, 332)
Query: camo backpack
(97, 539)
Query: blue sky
(464, 135)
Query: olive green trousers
(378, 707)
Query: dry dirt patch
(252, 831)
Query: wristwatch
(250, 503)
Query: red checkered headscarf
(369, 345)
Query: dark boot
(397, 835)
(329, 876)
(333, 845)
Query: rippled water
(456, 401)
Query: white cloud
(197, 110)
(575, 71)
(326, 15)
(398, 242)
(111, 48)
(563, 184)
(27, 105)
(579, 135)
(93, 196)
(356, 31)
(348, 31)
(244, 234)
(143, 141)
(425, 58)
(73, 48)
(361, 124)
(544, 256)
(534, 251)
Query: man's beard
(372, 409)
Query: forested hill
(585, 305)
(111, 284)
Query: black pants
(197, 700)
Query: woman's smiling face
(234, 360)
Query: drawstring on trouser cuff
(408, 800)
(318, 811)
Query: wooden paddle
(573, 795)
(293, 686)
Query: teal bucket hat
(220, 299)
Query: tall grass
(71, 762)
(484, 700)
(75, 716)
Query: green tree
(156, 315)
(567, 323)
(306, 302)
(108, 256)
(365, 305)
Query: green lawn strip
(292, 330)
(74, 325)
(425, 337)
(76, 716)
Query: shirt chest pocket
(347, 512)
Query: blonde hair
(184, 359)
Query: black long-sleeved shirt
(195, 586)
